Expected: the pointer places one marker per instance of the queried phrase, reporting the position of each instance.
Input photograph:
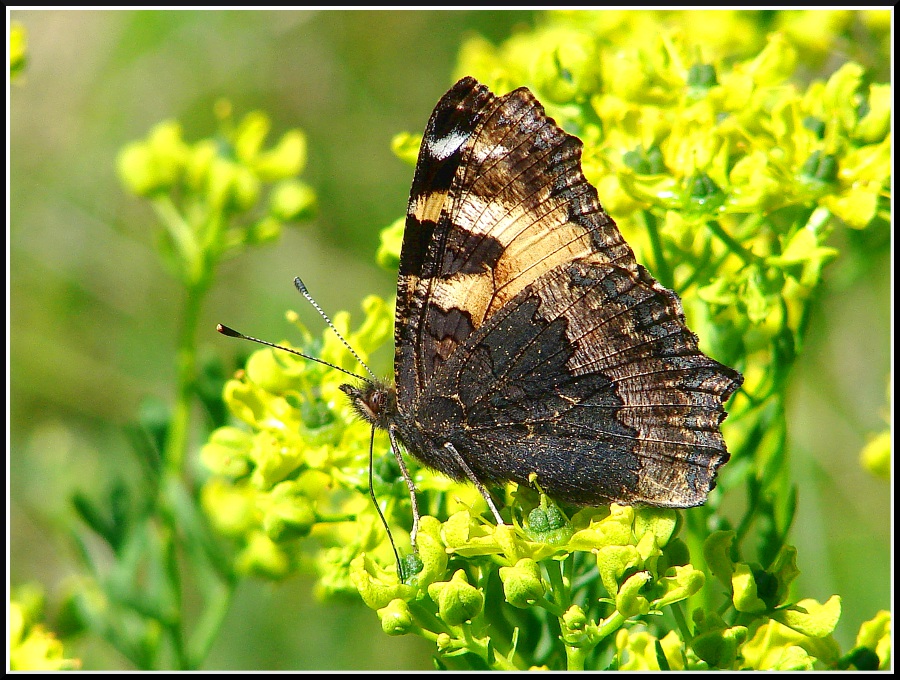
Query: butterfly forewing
(498, 200)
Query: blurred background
(93, 314)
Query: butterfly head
(374, 401)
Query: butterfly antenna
(231, 333)
(309, 298)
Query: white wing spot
(444, 147)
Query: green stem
(207, 628)
(179, 230)
(610, 625)
(575, 657)
(662, 270)
(177, 440)
(681, 622)
(481, 647)
(746, 255)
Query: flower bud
(396, 619)
(522, 584)
(457, 601)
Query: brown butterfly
(529, 343)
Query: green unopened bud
(245, 190)
(703, 194)
(444, 642)
(820, 167)
(292, 200)
(522, 584)
(457, 601)
(137, 171)
(290, 515)
(262, 557)
(250, 134)
(396, 619)
(719, 648)
(286, 159)
(700, 78)
(226, 452)
(576, 627)
(199, 161)
(815, 125)
(575, 618)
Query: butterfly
(530, 346)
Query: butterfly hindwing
(590, 379)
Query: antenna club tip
(225, 330)
(299, 285)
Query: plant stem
(177, 440)
(746, 255)
(662, 270)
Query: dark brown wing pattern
(498, 199)
(590, 379)
(528, 337)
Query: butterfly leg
(395, 447)
(474, 480)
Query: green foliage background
(92, 328)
